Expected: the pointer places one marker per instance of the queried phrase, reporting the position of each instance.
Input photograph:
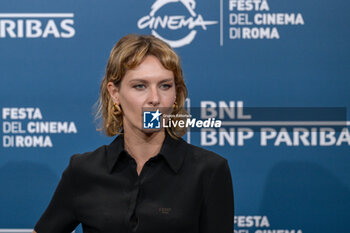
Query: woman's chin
(151, 131)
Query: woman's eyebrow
(145, 80)
(166, 80)
(138, 80)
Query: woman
(144, 181)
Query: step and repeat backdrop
(275, 72)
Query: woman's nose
(154, 98)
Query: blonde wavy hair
(127, 54)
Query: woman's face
(149, 85)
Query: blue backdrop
(264, 53)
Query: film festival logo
(174, 22)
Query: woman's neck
(142, 146)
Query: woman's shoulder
(88, 159)
(204, 156)
(206, 164)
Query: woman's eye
(139, 86)
(166, 86)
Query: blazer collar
(172, 150)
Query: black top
(183, 189)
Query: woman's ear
(113, 92)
